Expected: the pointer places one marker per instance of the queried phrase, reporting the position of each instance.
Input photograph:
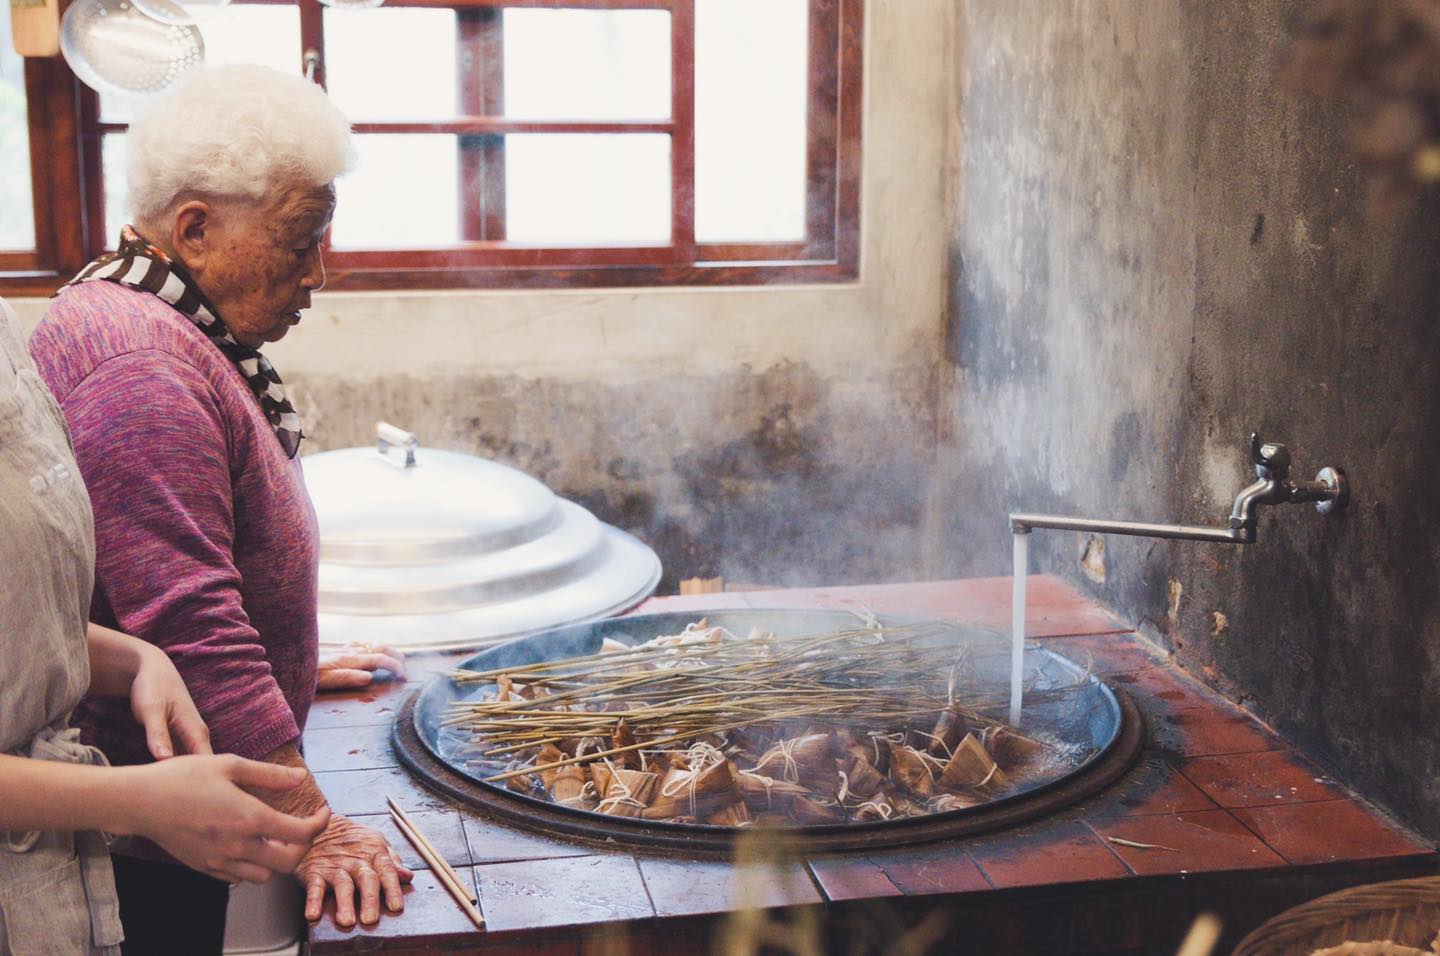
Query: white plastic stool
(265, 919)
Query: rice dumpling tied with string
(571, 788)
(858, 725)
(706, 786)
(629, 792)
(972, 767)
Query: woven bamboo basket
(1404, 911)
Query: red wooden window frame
(66, 134)
(57, 183)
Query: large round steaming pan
(1091, 715)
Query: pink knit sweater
(206, 542)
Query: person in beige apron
(58, 800)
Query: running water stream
(1021, 568)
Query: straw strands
(630, 716)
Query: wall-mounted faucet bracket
(1333, 479)
(1330, 491)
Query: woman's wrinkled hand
(162, 705)
(349, 858)
(199, 811)
(354, 665)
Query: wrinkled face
(261, 262)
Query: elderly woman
(206, 539)
(57, 894)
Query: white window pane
(17, 214)
(112, 165)
(750, 105)
(268, 34)
(576, 189)
(391, 63)
(404, 192)
(587, 64)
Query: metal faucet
(1330, 491)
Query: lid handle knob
(389, 436)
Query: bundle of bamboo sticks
(706, 712)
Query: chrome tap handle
(1272, 461)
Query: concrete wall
(1156, 250)
(772, 435)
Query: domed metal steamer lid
(423, 549)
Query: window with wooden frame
(41, 214)
(527, 143)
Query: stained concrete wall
(779, 435)
(1156, 249)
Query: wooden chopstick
(427, 849)
(403, 818)
(448, 878)
(452, 886)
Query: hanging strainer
(115, 48)
(180, 11)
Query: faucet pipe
(1024, 523)
(1330, 491)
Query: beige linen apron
(57, 894)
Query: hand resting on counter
(354, 665)
(347, 858)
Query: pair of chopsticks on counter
(463, 895)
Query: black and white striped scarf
(141, 265)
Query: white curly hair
(233, 132)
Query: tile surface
(353, 792)
(1153, 786)
(946, 869)
(685, 887)
(1067, 853)
(1110, 653)
(852, 878)
(1325, 832)
(1199, 730)
(492, 842)
(1153, 679)
(372, 705)
(1259, 779)
(1207, 840)
(563, 892)
(364, 747)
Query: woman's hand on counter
(349, 858)
(354, 665)
(198, 809)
